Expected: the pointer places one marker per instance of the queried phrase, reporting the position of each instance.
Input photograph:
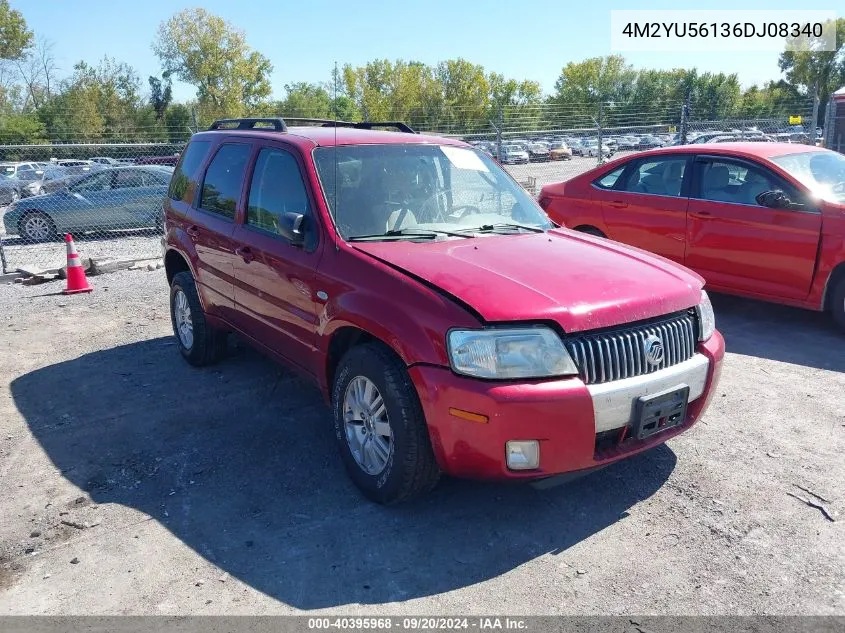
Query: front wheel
(199, 343)
(380, 427)
(837, 303)
(36, 226)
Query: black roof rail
(399, 125)
(279, 124)
(361, 125)
(249, 124)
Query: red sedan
(762, 220)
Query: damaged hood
(579, 281)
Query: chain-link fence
(109, 195)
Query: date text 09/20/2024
(417, 623)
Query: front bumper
(572, 421)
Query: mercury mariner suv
(450, 324)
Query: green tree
(161, 94)
(205, 51)
(177, 122)
(608, 79)
(818, 72)
(22, 129)
(306, 100)
(15, 36)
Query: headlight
(527, 352)
(706, 318)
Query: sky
(530, 39)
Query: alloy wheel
(184, 322)
(367, 426)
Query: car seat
(755, 184)
(715, 184)
(673, 177)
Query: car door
(737, 244)
(646, 205)
(211, 224)
(274, 278)
(89, 204)
(138, 197)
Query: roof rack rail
(249, 124)
(399, 125)
(280, 125)
(361, 125)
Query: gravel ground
(135, 484)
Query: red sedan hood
(581, 282)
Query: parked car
(105, 160)
(761, 220)
(577, 146)
(47, 180)
(399, 272)
(591, 148)
(10, 189)
(15, 170)
(111, 198)
(538, 152)
(157, 160)
(514, 154)
(628, 143)
(649, 142)
(560, 151)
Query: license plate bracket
(660, 411)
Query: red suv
(452, 327)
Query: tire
(36, 226)
(409, 469)
(591, 230)
(837, 303)
(206, 345)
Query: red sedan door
(647, 206)
(738, 245)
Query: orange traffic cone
(76, 280)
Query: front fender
(411, 336)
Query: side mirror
(775, 199)
(291, 227)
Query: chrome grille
(621, 353)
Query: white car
(591, 148)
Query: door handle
(245, 253)
(702, 214)
(193, 231)
(618, 204)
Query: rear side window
(276, 189)
(224, 177)
(608, 181)
(184, 181)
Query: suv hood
(581, 282)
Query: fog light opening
(523, 454)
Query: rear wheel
(837, 303)
(199, 342)
(380, 427)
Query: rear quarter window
(608, 181)
(183, 184)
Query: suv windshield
(823, 173)
(409, 188)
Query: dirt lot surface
(135, 484)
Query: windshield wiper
(504, 227)
(426, 234)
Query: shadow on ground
(776, 332)
(258, 489)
